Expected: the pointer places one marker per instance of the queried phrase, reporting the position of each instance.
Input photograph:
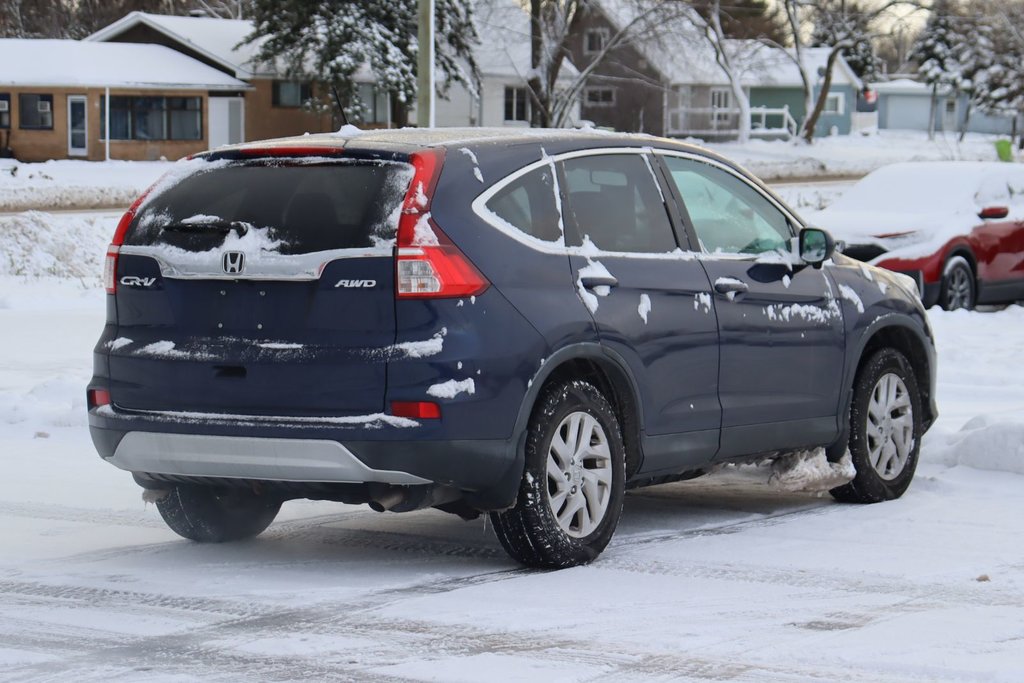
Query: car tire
(885, 429)
(215, 515)
(570, 498)
(958, 286)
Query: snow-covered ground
(852, 155)
(68, 184)
(716, 579)
(721, 578)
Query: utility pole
(425, 66)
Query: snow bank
(67, 184)
(987, 442)
(37, 244)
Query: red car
(956, 227)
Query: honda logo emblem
(234, 261)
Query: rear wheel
(958, 290)
(213, 515)
(571, 495)
(885, 429)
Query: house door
(227, 121)
(721, 106)
(78, 126)
(949, 116)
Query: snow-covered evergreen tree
(975, 53)
(936, 53)
(849, 26)
(330, 40)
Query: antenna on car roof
(337, 100)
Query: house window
(5, 110)
(599, 97)
(291, 93)
(517, 104)
(834, 103)
(595, 40)
(373, 104)
(35, 111)
(153, 118)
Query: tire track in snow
(78, 515)
(846, 582)
(190, 650)
(190, 653)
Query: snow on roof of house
(34, 62)
(677, 47)
(215, 39)
(504, 50)
(905, 86)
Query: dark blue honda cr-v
(514, 322)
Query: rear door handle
(591, 281)
(726, 285)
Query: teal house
(701, 103)
(668, 82)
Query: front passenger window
(727, 214)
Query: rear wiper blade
(223, 227)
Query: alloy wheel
(958, 289)
(579, 474)
(890, 426)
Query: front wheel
(213, 515)
(958, 285)
(885, 429)
(571, 495)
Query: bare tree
(552, 23)
(727, 61)
(225, 9)
(847, 22)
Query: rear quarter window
(295, 207)
(528, 205)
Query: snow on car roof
(32, 62)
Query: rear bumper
(486, 472)
(246, 457)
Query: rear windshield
(292, 207)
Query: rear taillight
(110, 269)
(428, 264)
(110, 263)
(97, 398)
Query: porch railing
(720, 121)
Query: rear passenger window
(528, 204)
(728, 215)
(614, 201)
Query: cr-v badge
(136, 281)
(234, 261)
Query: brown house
(625, 91)
(274, 105)
(71, 99)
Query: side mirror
(816, 246)
(994, 212)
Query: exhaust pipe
(388, 499)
